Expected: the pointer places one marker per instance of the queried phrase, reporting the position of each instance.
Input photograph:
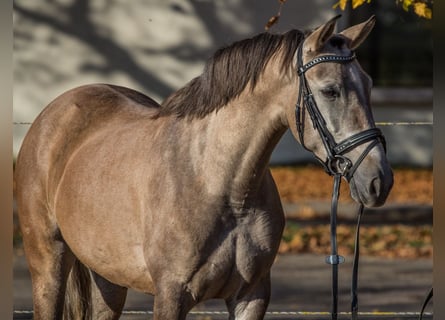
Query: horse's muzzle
(372, 192)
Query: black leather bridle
(336, 164)
(336, 161)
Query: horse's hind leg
(108, 299)
(50, 261)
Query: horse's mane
(228, 73)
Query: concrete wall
(156, 47)
(408, 145)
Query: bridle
(337, 164)
(336, 161)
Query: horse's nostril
(375, 186)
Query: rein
(337, 165)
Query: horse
(115, 191)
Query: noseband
(336, 164)
(336, 161)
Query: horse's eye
(330, 93)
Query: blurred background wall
(158, 46)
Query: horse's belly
(125, 269)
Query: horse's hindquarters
(101, 214)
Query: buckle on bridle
(338, 164)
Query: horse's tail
(78, 304)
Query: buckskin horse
(115, 191)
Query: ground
(412, 187)
(296, 183)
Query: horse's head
(333, 118)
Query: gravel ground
(300, 283)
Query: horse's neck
(239, 140)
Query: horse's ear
(358, 33)
(320, 35)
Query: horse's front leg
(172, 302)
(108, 299)
(252, 306)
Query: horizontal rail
(276, 313)
(405, 123)
(383, 123)
(22, 123)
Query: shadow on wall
(152, 46)
(50, 28)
